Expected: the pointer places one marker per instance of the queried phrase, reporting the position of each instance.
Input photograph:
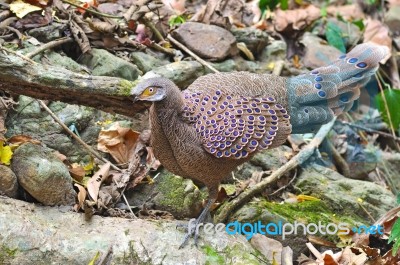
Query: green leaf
(395, 233)
(284, 4)
(395, 248)
(359, 23)
(334, 36)
(267, 4)
(393, 101)
(324, 11)
(175, 20)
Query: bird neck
(173, 102)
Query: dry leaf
(62, 157)
(378, 33)
(296, 19)
(119, 142)
(81, 195)
(21, 8)
(93, 185)
(21, 139)
(77, 171)
(348, 12)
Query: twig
(160, 48)
(397, 139)
(16, 31)
(49, 45)
(86, 146)
(298, 159)
(73, 135)
(30, 61)
(278, 67)
(368, 213)
(339, 160)
(388, 113)
(105, 256)
(183, 47)
(283, 187)
(149, 24)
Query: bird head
(152, 89)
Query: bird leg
(192, 229)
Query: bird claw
(193, 232)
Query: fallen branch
(230, 207)
(22, 76)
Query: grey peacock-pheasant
(221, 120)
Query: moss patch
(308, 211)
(311, 212)
(126, 87)
(212, 256)
(7, 254)
(178, 196)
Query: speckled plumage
(221, 120)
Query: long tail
(316, 97)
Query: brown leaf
(94, 183)
(178, 6)
(119, 142)
(21, 139)
(152, 162)
(80, 36)
(77, 172)
(218, 12)
(62, 157)
(104, 27)
(81, 195)
(377, 32)
(351, 255)
(348, 12)
(296, 19)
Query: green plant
(388, 104)
(334, 36)
(395, 237)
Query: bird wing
(236, 126)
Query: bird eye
(149, 91)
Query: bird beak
(135, 95)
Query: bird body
(221, 120)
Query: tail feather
(316, 97)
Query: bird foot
(191, 231)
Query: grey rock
(29, 119)
(255, 39)
(210, 42)
(317, 54)
(49, 33)
(263, 161)
(392, 19)
(43, 175)
(343, 194)
(170, 193)
(66, 62)
(103, 63)
(274, 51)
(146, 62)
(45, 235)
(8, 182)
(182, 73)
